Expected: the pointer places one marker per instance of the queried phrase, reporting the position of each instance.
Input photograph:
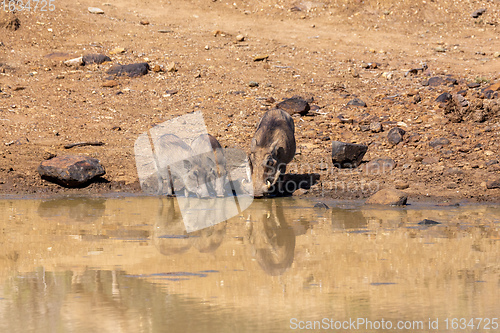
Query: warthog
(212, 157)
(177, 162)
(273, 146)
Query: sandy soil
(319, 50)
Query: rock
(110, 84)
(492, 184)
(260, 57)
(95, 59)
(170, 92)
(434, 81)
(493, 87)
(8, 20)
(117, 50)
(294, 105)
(428, 222)
(240, 38)
(356, 102)
(144, 22)
(395, 135)
(71, 170)
(171, 67)
(478, 12)
(95, 10)
(253, 84)
(321, 205)
(444, 98)
(347, 155)
(157, 68)
(473, 85)
(401, 185)
(440, 49)
(451, 185)
(131, 70)
(74, 62)
(376, 127)
(379, 166)
(439, 142)
(388, 197)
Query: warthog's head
(265, 167)
(195, 178)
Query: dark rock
(321, 205)
(388, 197)
(294, 105)
(253, 84)
(473, 85)
(71, 170)
(347, 155)
(439, 142)
(493, 184)
(95, 59)
(379, 166)
(491, 162)
(428, 222)
(395, 135)
(478, 12)
(131, 70)
(356, 102)
(8, 20)
(434, 81)
(444, 98)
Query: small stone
(439, 142)
(434, 81)
(117, 50)
(240, 38)
(391, 197)
(95, 10)
(110, 84)
(451, 185)
(294, 105)
(473, 85)
(478, 12)
(356, 102)
(428, 222)
(144, 22)
(347, 155)
(440, 49)
(171, 92)
(261, 57)
(496, 55)
(132, 70)
(47, 155)
(395, 135)
(444, 98)
(157, 68)
(95, 59)
(492, 184)
(401, 185)
(253, 84)
(171, 67)
(18, 88)
(376, 127)
(494, 87)
(321, 205)
(74, 62)
(71, 170)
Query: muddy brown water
(127, 265)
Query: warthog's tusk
(278, 173)
(268, 184)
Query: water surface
(127, 265)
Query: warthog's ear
(253, 144)
(187, 164)
(280, 153)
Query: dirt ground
(329, 52)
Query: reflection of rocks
(348, 219)
(80, 209)
(272, 239)
(209, 239)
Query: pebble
(132, 70)
(294, 105)
(95, 10)
(240, 38)
(74, 62)
(356, 102)
(253, 84)
(110, 84)
(379, 166)
(390, 197)
(439, 142)
(117, 50)
(321, 205)
(95, 59)
(144, 22)
(347, 155)
(376, 127)
(261, 57)
(444, 98)
(492, 184)
(478, 12)
(171, 67)
(428, 222)
(395, 135)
